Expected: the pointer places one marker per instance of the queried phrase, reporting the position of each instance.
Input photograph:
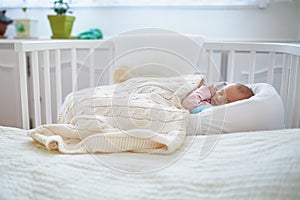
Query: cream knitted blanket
(140, 115)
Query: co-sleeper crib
(248, 62)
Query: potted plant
(4, 22)
(25, 28)
(61, 24)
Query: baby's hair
(245, 90)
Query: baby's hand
(212, 90)
(201, 83)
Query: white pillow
(157, 53)
(263, 111)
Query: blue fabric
(91, 34)
(199, 109)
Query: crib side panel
(55, 72)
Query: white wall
(277, 22)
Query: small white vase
(26, 28)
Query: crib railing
(227, 64)
(36, 48)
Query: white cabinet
(10, 104)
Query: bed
(251, 165)
(230, 163)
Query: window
(100, 3)
(166, 2)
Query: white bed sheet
(252, 165)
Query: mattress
(249, 165)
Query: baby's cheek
(220, 100)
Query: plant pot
(4, 22)
(3, 27)
(26, 28)
(61, 26)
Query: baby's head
(231, 93)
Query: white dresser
(10, 103)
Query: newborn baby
(208, 96)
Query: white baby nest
(263, 111)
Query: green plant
(20, 27)
(24, 9)
(61, 8)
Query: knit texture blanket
(139, 115)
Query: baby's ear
(122, 74)
(220, 85)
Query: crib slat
(230, 69)
(296, 110)
(252, 66)
(291, 107)
(74, 69)
(289, 100)
(58, 79)
(36, 88)
(209, 66)
(23, 87)
(92, 67)
(270, 75)
(284, 79)
(47, 87)
(111, 67)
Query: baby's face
(227, 94)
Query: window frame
(140, 3)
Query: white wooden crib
(56, 65)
